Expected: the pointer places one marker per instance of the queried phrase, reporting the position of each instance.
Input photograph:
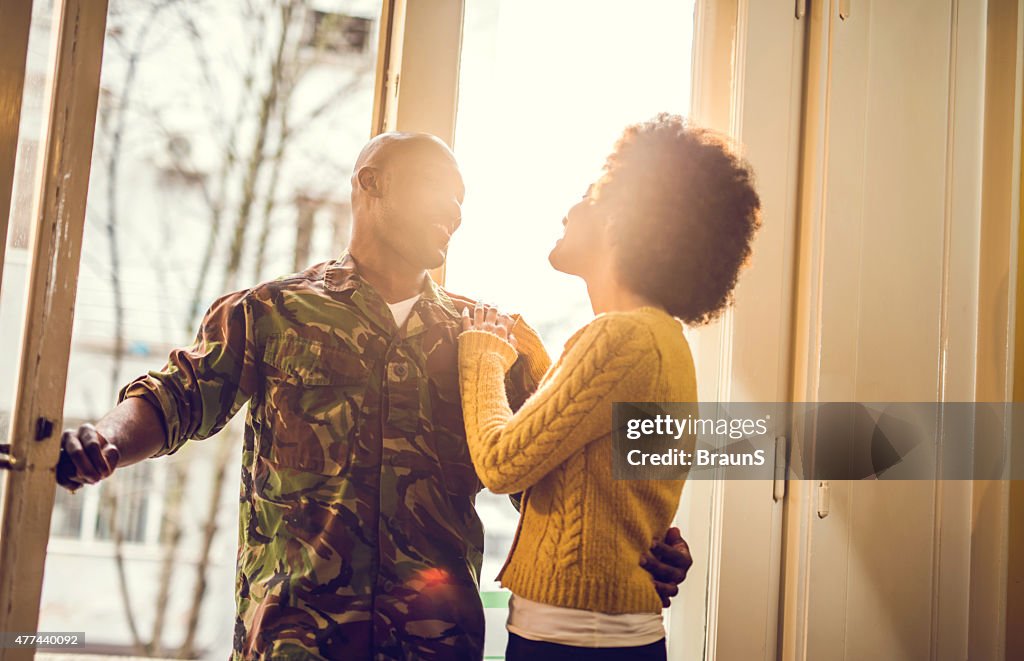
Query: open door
(58, 219)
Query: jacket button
(400, 370)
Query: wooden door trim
(14, 35)
(59, 220)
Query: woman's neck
(607, 294)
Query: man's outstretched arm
(199, 389)
(129, 433)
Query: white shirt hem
(581, 628)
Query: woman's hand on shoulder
(487, 318)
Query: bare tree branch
(256, 156)
(109, 498)
(357, 80)
(113, 161)
(171, 534)
(224, 454)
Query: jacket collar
(435, 306)
(341, 275)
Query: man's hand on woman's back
(667, 562)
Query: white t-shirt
(570, 626)
(400, 310)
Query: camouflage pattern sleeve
(528, 370)
(202, 386)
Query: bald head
(407, 194)
(390, 147)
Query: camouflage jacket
(358, 536)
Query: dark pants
(522, 649)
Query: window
(176, 165)
(66, 520)
(129, 499)
(21, 206)
(320, 221)
(535, 121)
(134, 496)
(212, 122)
(336, 33)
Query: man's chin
(435, 259)
(423, 256)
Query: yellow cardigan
(581, 533)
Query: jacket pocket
(312, 405)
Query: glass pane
(67, 515)
(125, 499)
(545, 90)
(225, 137)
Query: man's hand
(86, 457)
(667, 562)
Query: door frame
(997, 505)
(983, 365)
(62, 184)
(747, 84)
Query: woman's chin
(553, 255)
(556, 258)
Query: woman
(660, 238)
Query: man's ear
(368, 179)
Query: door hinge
(801, 8)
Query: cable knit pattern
(537, 441)
(567, 517)
(581, 533)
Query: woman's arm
(613, 358)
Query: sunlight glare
(546, 89)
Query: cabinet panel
(896, 285)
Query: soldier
(358, 536)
